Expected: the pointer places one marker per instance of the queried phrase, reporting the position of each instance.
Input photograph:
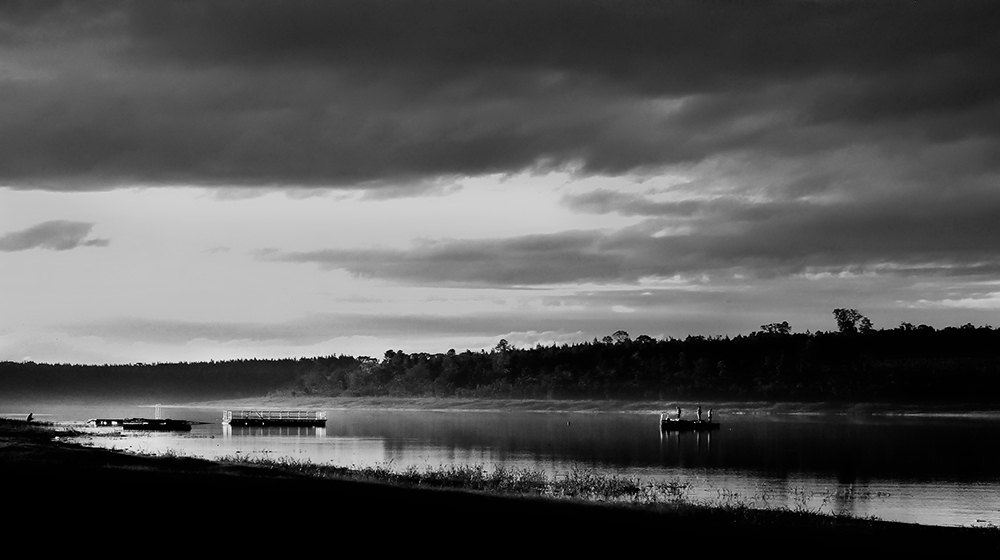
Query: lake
(936, 470)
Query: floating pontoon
(253, 417)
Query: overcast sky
(187, 181)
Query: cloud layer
(99, 94)
(56, 235)
(557, 167)
(931, 233)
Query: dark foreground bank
(92, 497)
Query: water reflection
(703, 440)
(229, 431)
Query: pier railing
(274, 415)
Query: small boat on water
(677, 424)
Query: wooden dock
(255, 417)
(143, 424)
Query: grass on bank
(22, 429)
(577, 485)
(672, 496)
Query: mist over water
(918, 469)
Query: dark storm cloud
(533, 259)
(100, 94)
(604, 201)
(944, 235)
(953, 240)
(57, 235)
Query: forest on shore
(855, 363)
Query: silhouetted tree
(621, 337)
(850, 321)
(776, 328)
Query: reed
(26, 430)
(578, 484)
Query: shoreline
(19, 407)
(66, 477)
(458, 404)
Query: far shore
(725, 407)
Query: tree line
(856, 362)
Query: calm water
(930, 470)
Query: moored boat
(677, 425)
(105, 422)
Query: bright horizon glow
(180, 258)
